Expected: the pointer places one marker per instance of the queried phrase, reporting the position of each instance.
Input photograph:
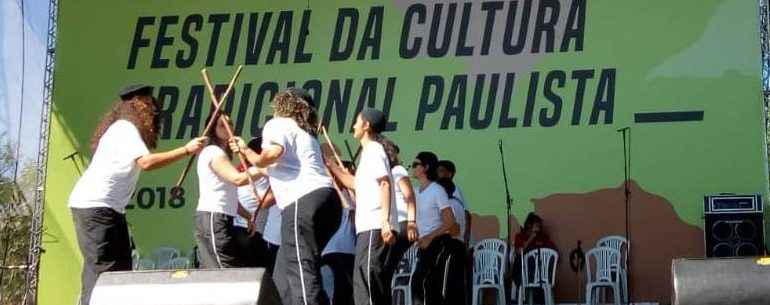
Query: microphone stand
(626, 134)
(508, 202)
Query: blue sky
(34, 25)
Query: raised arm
(157, 160)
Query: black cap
(375, 118)
(130, 91)
(302, 93)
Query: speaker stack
(734, 225)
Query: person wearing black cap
(121, 150)
(375, 214)
(310, 207)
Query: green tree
(15, 219)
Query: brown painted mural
(657, 236)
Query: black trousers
(271, 253)
(454, 272)
(373, 269)
(402, 243)
(342, 268)
(251, 249)
(104, 243)
(215, 238)
(306, 227)
(433, 278)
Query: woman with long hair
(121, 148)
(218, 206)
(375, 217)
(310, 207)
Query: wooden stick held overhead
(241, 155)
(176, 190)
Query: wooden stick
(176, 191)
(228, 129)
(331, 146)
(342, 192)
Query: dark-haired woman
(310, 207)
(455, 273)
(215, 232)
(435, 225)
(532, 236)
(121, 150)
(375, 217)
(404, 202)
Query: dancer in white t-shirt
(218, 205)
(375, 212)
(121, 150)
(455, 256)
(303, 190)
(447, 170)
(435, 225)
(405, 202)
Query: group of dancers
(294, 208)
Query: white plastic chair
(192, 255)
(145, 264)
(163, 256)
(135, 260)
(622, 245)
(495, 244)
(488, 274)
(604, 276)
(402, 278)
(179, 263)
(542, 276)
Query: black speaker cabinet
(246, 286)
(734, 225)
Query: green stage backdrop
(552, 79)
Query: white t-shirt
(459, 212)
(460, 196)
(430, 202)
(215, 194)
(300, 169)
(373, 165)
(112, 175)
(247, 199)
(399, 172)
(344, 240)
(272, 232)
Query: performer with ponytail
(375, 215)
(121, 150)
(405, 202)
